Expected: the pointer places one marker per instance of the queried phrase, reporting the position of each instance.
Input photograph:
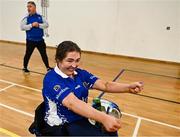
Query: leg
(114, 134)
(29, 50)
(84, 128)
(42, 50)
(53, 131)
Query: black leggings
(78, 128)
(30, 46)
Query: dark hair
(65, 47)
(31, 2)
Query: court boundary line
(11, 85)
(161, 99)
(131, 115)
(12, 67)
(15, 84)
(160, 75)
(152, 97)
(9, 133)
(136, 129)
(17, 110)
(4, 65)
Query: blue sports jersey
(35, 33)
(56, 86)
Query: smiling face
(69, 64)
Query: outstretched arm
(111, 124)
(115, 87)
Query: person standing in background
(34, 24)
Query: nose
(74, 64)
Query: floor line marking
(9, 133)
(137, 127)
(142, 118)
(17, 110)
(20, 85)
(7, 87)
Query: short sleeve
(89, 78)
(56, 91)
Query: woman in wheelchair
(65, 93)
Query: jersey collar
(59, 72)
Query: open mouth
(71, 69)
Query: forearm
(112, 87)
(44, 25)
(115, 87)
(24, 26)
(83, 109)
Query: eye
(78, 60)
(70, 60)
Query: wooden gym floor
(154, 112)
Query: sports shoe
(25, 70)
(49, 68)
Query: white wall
(0, 19)
(12, 13)
(125, 27)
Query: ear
(58, 61)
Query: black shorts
(77, 128)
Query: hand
(111, 123)
(35, 24)
(136, 87)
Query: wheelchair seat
(38, 123)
